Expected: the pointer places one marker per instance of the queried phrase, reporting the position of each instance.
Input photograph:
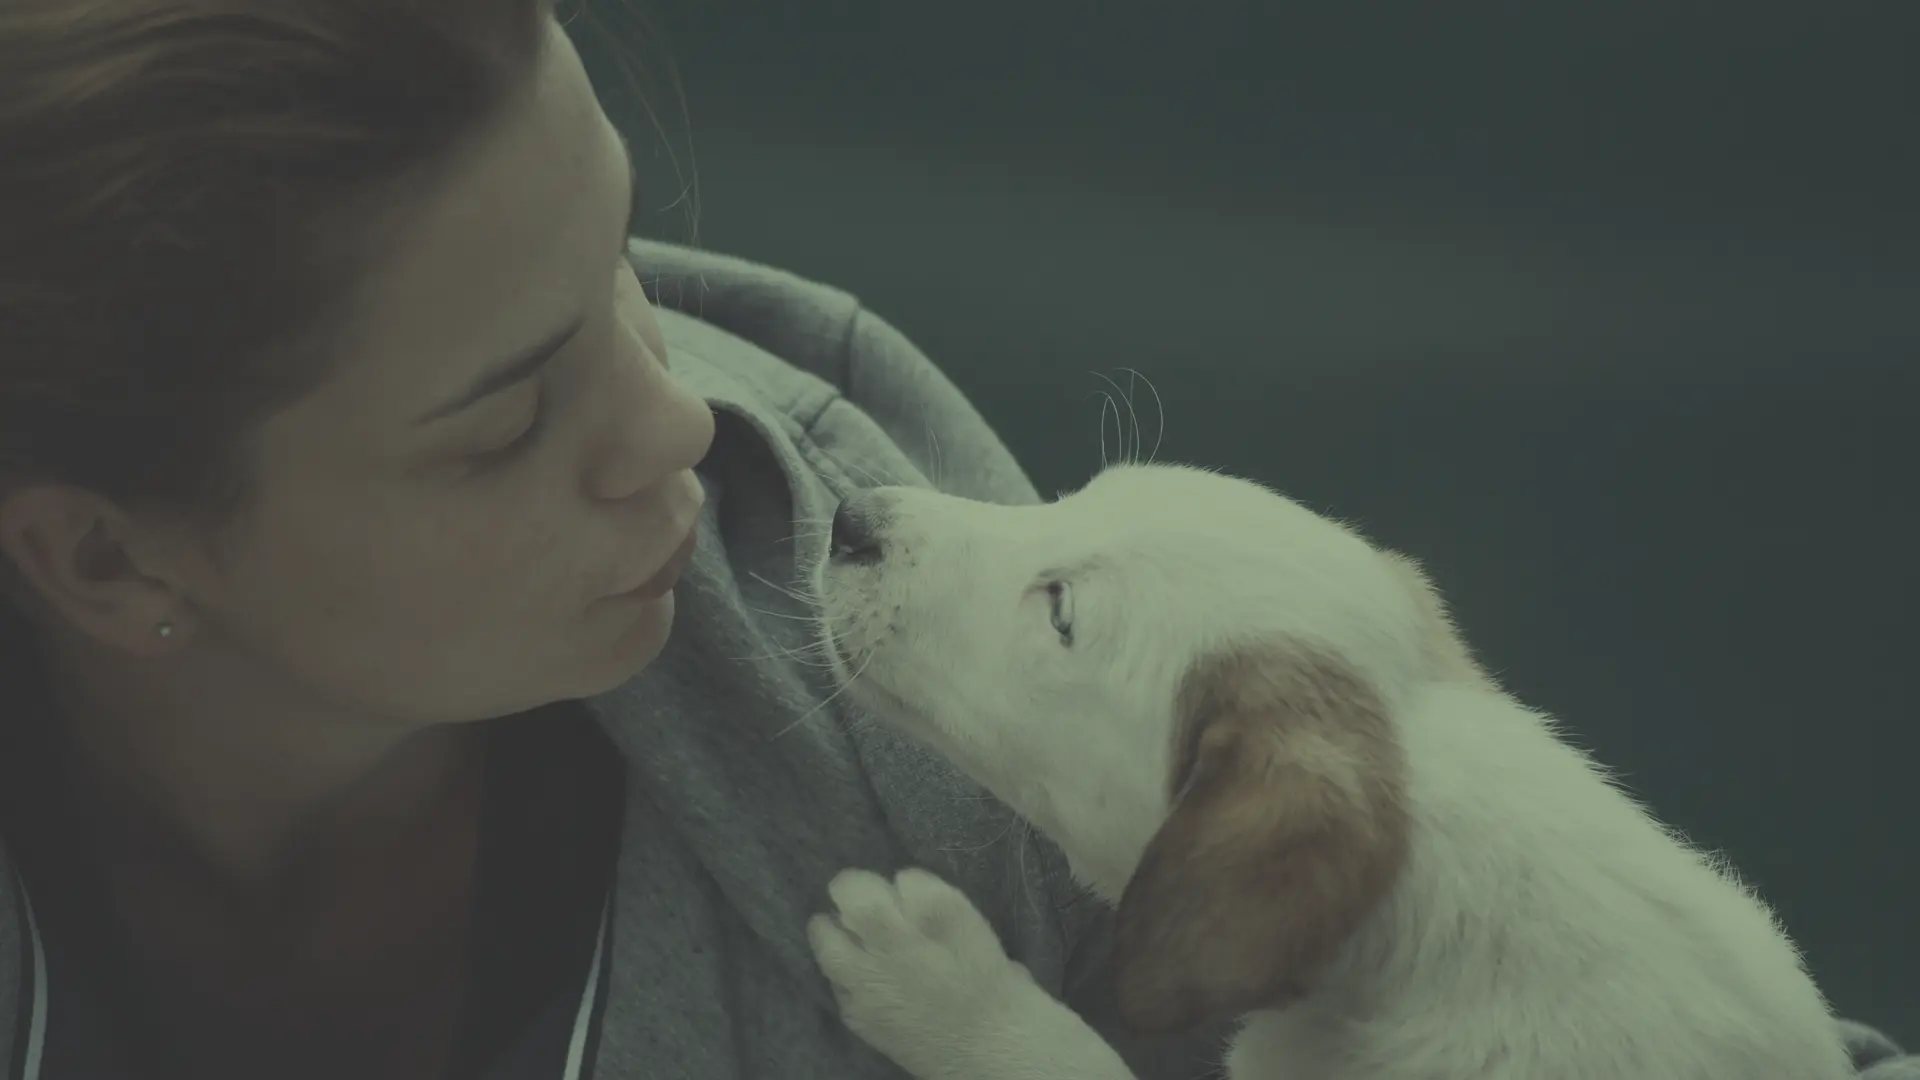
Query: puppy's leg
(921, 977)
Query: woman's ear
(1288, 827)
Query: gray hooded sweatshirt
(739, 790)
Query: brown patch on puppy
(1289, 825)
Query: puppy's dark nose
(856, 531)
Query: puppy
(1262, 739)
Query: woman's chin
(640, 637)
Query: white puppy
(1260, 737)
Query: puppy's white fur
(1392, 869)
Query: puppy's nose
(856, 531)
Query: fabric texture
(746, 787)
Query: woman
(343, 487)
(347, 499)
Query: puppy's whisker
(872, 479)
(933, 441)
(1159, 410)
(812, 655)
(787, 591)
(973, 849)
(780, 614)
(825, 701)
(1119, 429)
(1125, 454)
(860, 723)
(1133, 424)
(1106, 402)
(1022, 845)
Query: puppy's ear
(1289, 825)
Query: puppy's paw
(918, 972)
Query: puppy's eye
(1060, 595)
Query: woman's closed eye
(506, 452)
(515, 446)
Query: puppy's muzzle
(859, 529)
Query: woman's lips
(664, 579)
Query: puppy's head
(1185, 680)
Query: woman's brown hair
(189, 189)
(185, 193)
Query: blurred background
(1610, 313)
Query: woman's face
(448, 532)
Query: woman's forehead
(509, 242)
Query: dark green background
(1608, 312)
